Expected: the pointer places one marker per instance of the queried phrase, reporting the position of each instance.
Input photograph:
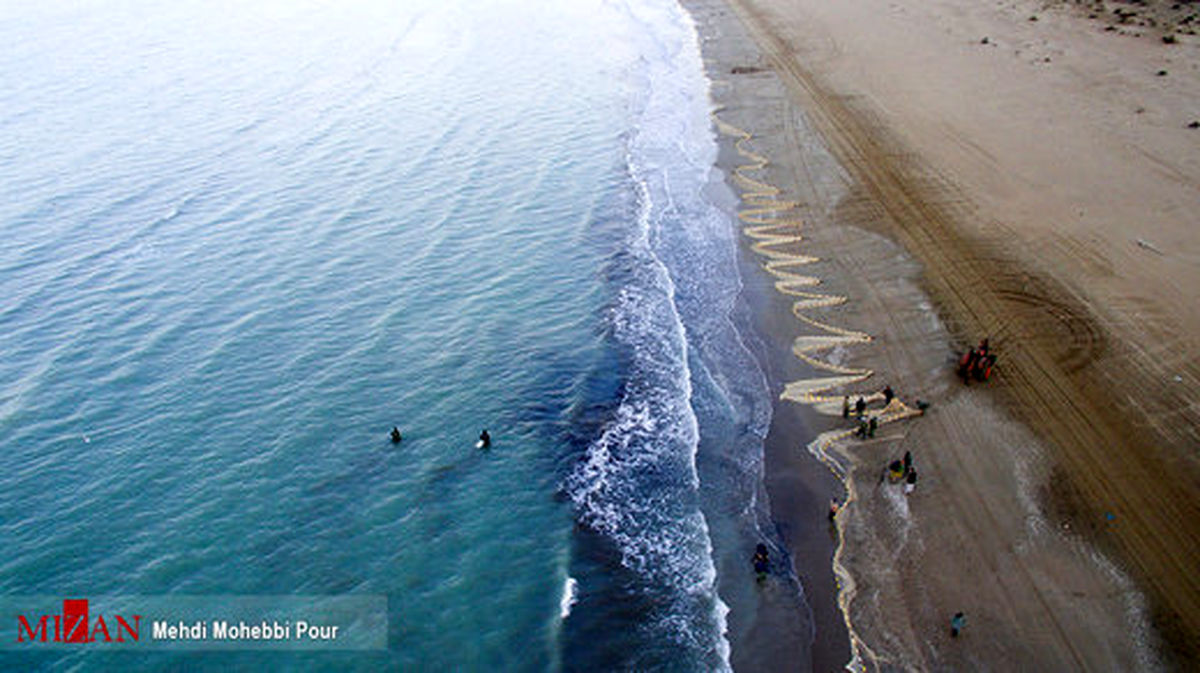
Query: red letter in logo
(32, 633)
(133, 633)
(75, 619)
(100, 626)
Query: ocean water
(241, 241)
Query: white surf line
(768, 220)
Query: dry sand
(1040, 188)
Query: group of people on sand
(485, 440)
(861, 403)
(977, 363)
(866, 426)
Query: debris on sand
(1143, 243)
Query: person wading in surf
(761, 564)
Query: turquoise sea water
(241, 241)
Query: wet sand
(946, 195)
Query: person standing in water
(485, 440)
(761, 563)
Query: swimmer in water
(485, 440)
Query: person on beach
(761, 562)
(871, 426)
(895, 471)
(833, 508)
(910, 482)
(888, 395)
(863, 428)
(860, 406)
(957, 623)
(966, 365)
(846, 406)
(485, 440)
(396, 435)
(907, 461)
(982, 370)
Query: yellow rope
(770, 222)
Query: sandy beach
(917, 176)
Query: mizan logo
(74, 625)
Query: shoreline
(999, 526)
(797, 486)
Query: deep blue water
(241, 241)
